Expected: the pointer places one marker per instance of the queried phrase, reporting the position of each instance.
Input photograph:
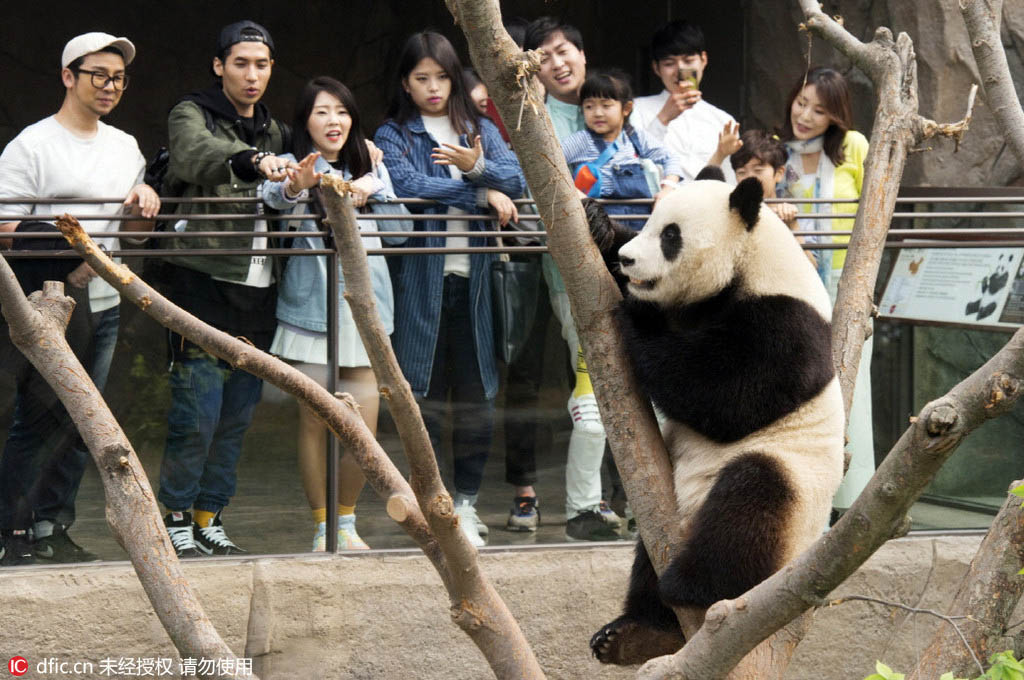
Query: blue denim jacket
(302, 293)
(420, 280)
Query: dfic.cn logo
(17, 665)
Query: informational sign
(974, 286)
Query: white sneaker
(348, 539)
(608, 515)
(585, 415)
(469, 522)
(320, 537)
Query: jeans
(211, 408)
(521, 395)
(44, 459)
(455, 376)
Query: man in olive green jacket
(223, 143)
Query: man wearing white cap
(69, 154)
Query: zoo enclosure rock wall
(386, 616)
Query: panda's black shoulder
(731, 364)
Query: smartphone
(688, 75)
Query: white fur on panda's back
(775, 264)
(806, 442)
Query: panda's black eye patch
(671, 241)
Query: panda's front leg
(646, 629)
(609, 236)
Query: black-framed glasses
(100, 79)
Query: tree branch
(629, 423)
(891, 66)
(989, 593)
(734, 627)
(957, 130)
(951, 620)
(37, 327)
(982, 18)
(865, 56)
(340, 417)
(476, 606)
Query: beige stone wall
(387, 616)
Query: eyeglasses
(100, 79)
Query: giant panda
(727, 327)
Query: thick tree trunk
(991, 588)
(476, 606)
(982, 19)
(989, 593)
(892, 67)
(37, 326)
(734, 627)
(628, 420)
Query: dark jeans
(455, 382)
(211, 409)
(522, 388)
(44, 458)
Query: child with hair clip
(438, 146)
(607, 158)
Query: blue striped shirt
(580, 148)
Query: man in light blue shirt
(588, 518)
(562, 71)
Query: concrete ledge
(386, 616)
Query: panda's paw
(601, 226)
(626, 641)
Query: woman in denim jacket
(437, 146)
(327, 128)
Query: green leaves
(1003, 665)
(883, 672)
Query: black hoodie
(215, 104)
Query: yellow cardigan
(847, 183)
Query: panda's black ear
(710, 172)
(746, 200)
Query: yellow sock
(319, 515)
(346, 509)
(203, 517)
(583, 384)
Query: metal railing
(922, 237)
(897, 238)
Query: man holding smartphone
(678, 116)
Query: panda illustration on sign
(727, 327)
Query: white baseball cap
(87, 43)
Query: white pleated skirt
(298, 344)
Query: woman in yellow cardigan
(826, 160)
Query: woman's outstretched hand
(464, 158)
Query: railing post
(332, 387)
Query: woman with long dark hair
(328, 138)
(826, 160)
(438, 146)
